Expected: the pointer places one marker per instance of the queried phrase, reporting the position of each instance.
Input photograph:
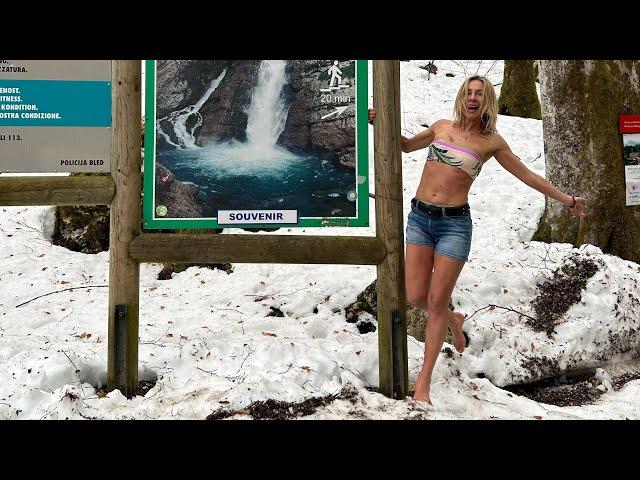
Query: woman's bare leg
(418, 265)
(417, 275)
(445, 274)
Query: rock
(183, 82)
(335, 136)
(305, 130)
(168, 269)
(267, 229)
(275, 312)
(82, 229)
(416, 322)
(366, 327)
(367, 302)
(224, 114)
(181, 199)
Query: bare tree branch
(504, 308)
(60, 291)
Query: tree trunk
(518, 96)
(582, 101)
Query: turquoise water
(238, 176)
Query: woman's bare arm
(514, 165)
(421, 140)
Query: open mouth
(473, 108)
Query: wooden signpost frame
(129, 247)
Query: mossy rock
(367, 302)
(82, 229)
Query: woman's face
(474, 100)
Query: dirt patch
(279, 410)
(623, 379)
(625, 339)
(541, 367)
(560, 292)
(577, 390)
(570, 390)
(449, 353)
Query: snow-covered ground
(206, 338)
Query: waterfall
(179, 119)
(267, 113)
(266, 117)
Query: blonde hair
(489, 111)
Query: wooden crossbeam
(220, 248)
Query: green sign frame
(151, 220)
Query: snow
(206, 339)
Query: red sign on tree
(630, 123)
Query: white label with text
(229, 217)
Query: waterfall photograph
(256, 135)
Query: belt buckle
(433, 214)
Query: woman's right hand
(372, 115)
(579, 207)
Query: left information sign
(55, 116)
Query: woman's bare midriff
(444, 185)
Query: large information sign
(55, 115)
(255, 143)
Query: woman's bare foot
(455, 324)
(422, 389)
(422, 397)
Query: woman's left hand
(578, 208)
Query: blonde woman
(439, 226)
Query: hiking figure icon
(336, 74)
(335, 82)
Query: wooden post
(124, 272)
(390, 229)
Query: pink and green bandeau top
(460, 157)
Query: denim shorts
(450, 236)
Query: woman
(439, 226)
